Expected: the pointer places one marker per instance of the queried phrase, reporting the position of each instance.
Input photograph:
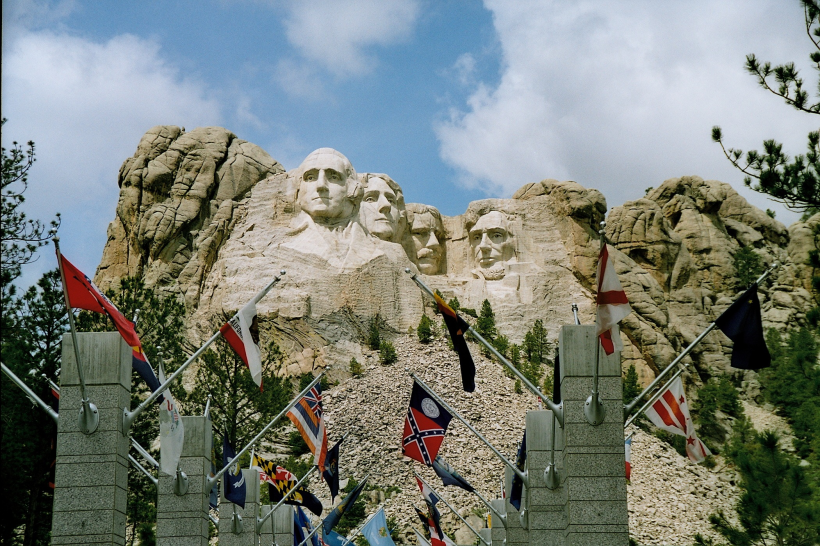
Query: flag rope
(453, 510)
(261, 521)
(557, 409)
(687, 350)
(449, 408)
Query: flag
(242, 334)
(171, 431)
(308, 418)
(332, 538)
(449, 476)
(628, 457)
(213, 498)
(556, 380)
(457, 328)
(234, 483)
(671, 413)
(613, 306)
(82, 293)
(266, 469)
(376, 531)
(422, 540)
(518, 485)
(429, 497)
(425, 520)
(331, 473)
(434, 526)
(281, 481)
(302, 528)
(424, 426)
(743, 324)
(333, 518)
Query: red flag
(671, 413)
(242, 334)
(613, 305)
(628, 457)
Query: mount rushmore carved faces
(493, 245)
(382, 209)
(427, 232)
(329, 188)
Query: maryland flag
(457, 328)
(281, 482)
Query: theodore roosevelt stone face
(327, 186)
(492, 244)
(428, 237)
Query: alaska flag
(331, 473)
(457, 328)
(449, 476)
(743, 324)
(424, 426)
(517, 484)
(333, 518)
(234, 483)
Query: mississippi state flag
(613, 306)
(671, 413)
(308, 418)
(242, 334)
(424, 427)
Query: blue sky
(456, 99)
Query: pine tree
(425, 329)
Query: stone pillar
(283, 525)
(183, 520)
(516, 534)
(249, 513)
(91, 475)
(266, 532)
(497, 531)
(546, 507)
(593, 455)
(486, 535)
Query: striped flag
(242, 334)
(613, 305)
(308, 418)
(671, 413)
(628, 457)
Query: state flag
(332, 538)
(308, 418)
(242, 334)
(333, 518)
(302, 528)
(171, 431)
(234, 484)
(671, 413)
(628, 457)
(421, 538)
(612, 304)
(376, 531)
(267, 469)
(743, 324)
(517, 487)
(331, 473)
(429, 496)
(281, 482)
(449, 476)
(424, 427)
(457, 327)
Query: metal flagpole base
(89, 418)
(524, 518)
(551, 477)
(180, 483)
(237, 526)
(594, 410)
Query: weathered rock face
(213, 218)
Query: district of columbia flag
(424, 426)
(171, 431)
(457, 327)
(612, 304)
(671, 413)
(242, 334)
(308, 418)
(628, 456)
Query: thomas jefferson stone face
(323, 187)
(379, 211)
(428, 235)
(492, 244)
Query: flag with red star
(671, 413)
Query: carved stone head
(427, 232)
(329, 188)
(382, 212)
(492, 243)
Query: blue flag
(332, 538)
(449, 476)
(333, 518)
(517, 484)
(743, 324)
(376, 531)
(331, 473)
(234, 483)
(302, 528)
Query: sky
(457, 100)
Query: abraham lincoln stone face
(493, 245)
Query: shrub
(631, 387)
(373, 337)
(356, 368)
(425, 329)
(387, 353)
(517, 388)
(748, 266)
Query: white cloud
(335, 34)
(86, 105)
(622, 95)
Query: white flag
(671, 413)
(171, 431)
(242, 334)
(613, 305)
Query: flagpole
(453, 510)
(449, 408)
(315, 530)
(654, 397)
(594, 411)
(557, 409)
(688, 349)
(128, 417)
(500, 516)
(135, 463)
(30, 393)
(213, 480)
(141, 450)
(261, 521)
(89, 418)
(362, 526)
